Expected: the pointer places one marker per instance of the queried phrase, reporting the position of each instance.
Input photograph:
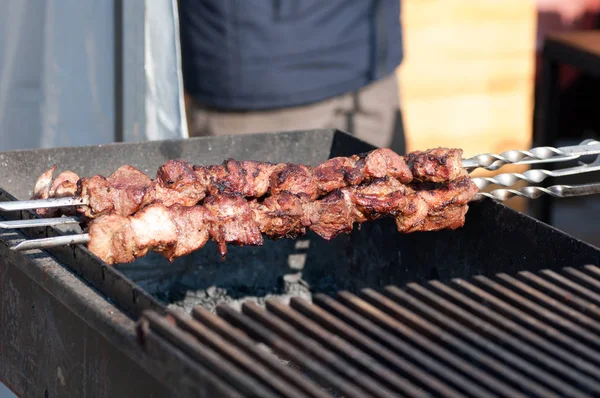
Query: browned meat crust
(437, 206)
(41, 190)
(436, 165)
(128, 190)
(176, 182)
(65, 185)
(178, 230)
(124, 192)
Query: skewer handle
(545, 154)
(41, 204)
(534, 176)
(46, 243)
(38, 222)
(557, 191)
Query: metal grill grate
(533, 334)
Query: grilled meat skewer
(128, 190)
(66, 195)
(178, 230)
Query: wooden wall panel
(468, 75)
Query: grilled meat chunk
(131, 189)
(250, 178)
(452, 217)
(333, 215)
(64, 185)
(437, 205)
(281, 216)
(439, 196)
(247, 178)
(293, 178)
(176, 182)
(113, 240)
(192, 232)
(155, 228)
(385, 162)
(230, 221)
(41, 190)
(335, 173)
(124, 192)
(175, 231)
(384, 196)
(436, 165)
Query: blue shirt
(265, 54)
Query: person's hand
(569, 10)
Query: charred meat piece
(119, 239)
(281, 216)
(293, 178)
(131, 189)
(451, 217)
(97, 190)
(384, 196)
(334, 215)
(64, 185)
(379, 163)
(192, 230)
(385, 162)
(124, 192)
(336, 173)
(230, 220)
(413, 216)
(41, 190)
(113, 240)
(212, 178)
(155, 229)
(248, 178)
(176, 182)
(436, 165)
(438, 196)
(174, 231)
(437, 206)
(257, 176)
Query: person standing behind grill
(279, 65)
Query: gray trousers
(371, 113)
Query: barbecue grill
(504, 306)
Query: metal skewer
(39, 222)
(46, 243)
(42, 203)
(544, 154)
(557, 191)
(535, 176)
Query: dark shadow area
(579, 116)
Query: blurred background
(476, 74)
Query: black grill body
(80, 315)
